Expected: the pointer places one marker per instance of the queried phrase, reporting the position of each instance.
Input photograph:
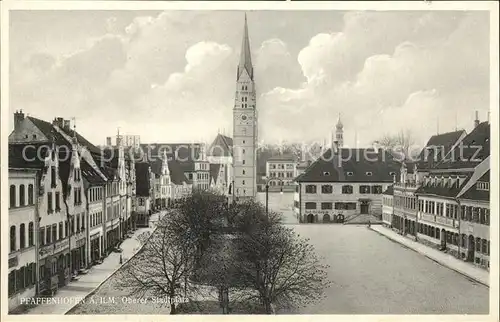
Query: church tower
(339, 133)
(245, 126)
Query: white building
(23, 219)
(281, 170)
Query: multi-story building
(191, 158)
(143, 193)
(387, 206)
(443, 221)
(281, 170)
(23, 219)
(343, 184)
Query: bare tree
(399, 144)
(281, 267)
(160, 267)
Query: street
(372, 275)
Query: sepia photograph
(233, 161)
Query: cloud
(172, 74)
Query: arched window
(30, 194)
(12, 196)
(22, 196)
(31, 234)
(13, 245)
(22, 236)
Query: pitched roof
(437, 148)
(176, 173)
(185, 153)
(352, 165)
(214, 172)
(471, 151)
(441, 189)
(24, 156)
(245, 56)
(156, 166)
(83, 141)
(470, 190)
(142, 182)
(283, 157)
(221, 146)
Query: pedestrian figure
(121, 259)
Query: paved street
(373, 275)
(69, 295)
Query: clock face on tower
(245, 119)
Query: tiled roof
(142, 182)
(221, 146)
(46, 127)
(284, 157)
(214, 171)
(89, 173)
(23, 157)
(471, 151)
(441, 189)
(185, 153)
(481, 174)
(83, 141)
(437, 147)
(176, 173)
(156, 166)
(352, 165)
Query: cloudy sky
(170, 76)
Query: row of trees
(244, 253)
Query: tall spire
(245, 56)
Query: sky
(169, 76)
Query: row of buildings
(71, 203)
(442, 200)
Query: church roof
(245, 56)
(214, 171)
(222, 146)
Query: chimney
(108, 141)
(67, 124)
(476, 121)
(58, 121)
(18, 118)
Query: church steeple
(245, 56)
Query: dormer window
(369, 173)
(326, 173)
(392, 174)
(485, 186)
(350, 174)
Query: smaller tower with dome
(339, 133)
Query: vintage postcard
(316, 160)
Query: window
(12, 196)
(61, 230)
(326, 188)
(347, 189)
(243, 171)
(326, 173)
(22, 236)
(54, 232)
(31, 234)
(13, 245)
(12, 282)
(58, 202)
(22, 196)
(243, 182)
(49, 203)
(30, 194)
(48, 235)
(350, 174)
(392, 174)
(310, 205)
(326, 205)
(243, 162)
(310, 188)
(377, 189)
(364, 189)
(369, 173)
(483, 186)
(52, 177)
(42, 236)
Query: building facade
(280, 171)
(23, 219)
(387, 206)
(245, 124)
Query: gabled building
(280, 171)
(344, 184)
(221, 162)
(143, 193)
(191, 158)
(443, 221)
